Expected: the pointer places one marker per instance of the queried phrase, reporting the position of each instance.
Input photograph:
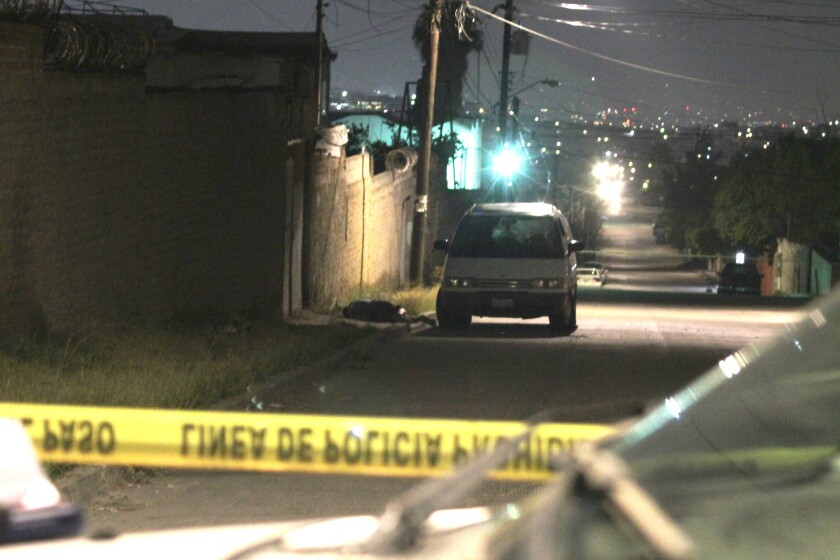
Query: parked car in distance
(592, 274)
(739, 279)
(660, 232)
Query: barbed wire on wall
(101, 7)
(73, 45)
(29, 10)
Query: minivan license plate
(501, 303)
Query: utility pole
(319, 73)
(421, 203)
(306, 198)
(503, 99)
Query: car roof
(515, 208)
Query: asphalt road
(627, 354)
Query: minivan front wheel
(566, 321)
(448, 319)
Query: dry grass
(167, 368)
(187, 367)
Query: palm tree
(456, 43)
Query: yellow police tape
(285, 442)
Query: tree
(358, 139)
(743, 213)
(688, 195)
(790, 190)
(663, 162)
(459, 36)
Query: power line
(602, 56)
(367, 10)
(269, 15)
(344, 42)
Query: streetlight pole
(503, 95)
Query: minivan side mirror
(576, 245)
(442, 245)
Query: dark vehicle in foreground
(744, 463)
(738, 278)
(509, 260)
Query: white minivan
(513, 259)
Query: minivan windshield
(507, 237)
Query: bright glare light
(740, 258)
(601, 171)
(673, 407)
(609, 183)
(506, 163)
(610, 190)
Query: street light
(506, 163)
(510, 156)
(609, 184)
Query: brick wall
(357, 228)
(122, 204)
(117, 204)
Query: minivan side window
(507, 237)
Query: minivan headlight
(550, 284)
(458, 282)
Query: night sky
(748, 60)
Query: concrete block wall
(356, 221)
(117, 204)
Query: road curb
(243, 402)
